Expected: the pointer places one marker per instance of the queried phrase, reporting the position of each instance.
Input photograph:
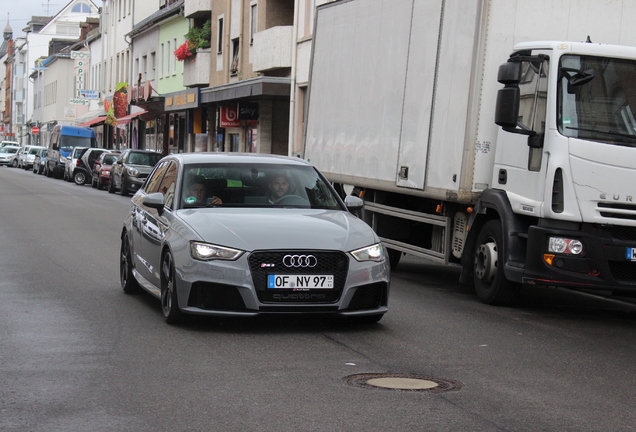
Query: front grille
(211, 296)
(368, 297)
(264, 263)
(623, 271)
(617, 210)
(622, 233)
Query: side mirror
(56, 147)
(154, 200)
(507, 107)
(353, 203)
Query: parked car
(9, 143)
(130, 170)
(39, 161)
(102, 167)
(83, 169)
(8, 154)
(204, 237)
(27, 155)
(71, 163)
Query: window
(219, 37)
(235, 57)
(173, 58)
(162, 55)
(152, 66)
(81, 8)
(254, 22)
(168, 54)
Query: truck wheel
(488, 274)
(394, 257)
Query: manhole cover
(402, 382)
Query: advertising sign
(229, 117)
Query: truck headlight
(369, 253)
(565, 246)
(207, 251)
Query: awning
(269, 87)
(129, 117)
(95, 122)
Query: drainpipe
(292, 93)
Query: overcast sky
(21, 11)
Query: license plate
(631, 254)
(300, 281)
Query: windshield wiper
(618, 134)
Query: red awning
(95, 122)
(129, 117)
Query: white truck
(474, 146)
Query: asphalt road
(77, 354)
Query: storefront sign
(248, 111)
(229, 117)
(182, 100)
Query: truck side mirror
(507, 108)
(509, 97)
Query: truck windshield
(597, 99)
(69, 142)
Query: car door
(156, 223)
(140, 233)
(117, 169)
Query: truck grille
(617, 211)
(264, 263)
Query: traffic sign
(35, 130)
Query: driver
(278, 188)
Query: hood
(254, 229)
(604, 176)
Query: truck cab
(565, 165)
(62, 142)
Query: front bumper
(239, 287)
(603, 265)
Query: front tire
(111, 185)
(128, 281)
(169, 301)
(79, 178)
(488, 267)
(124, 188)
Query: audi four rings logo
(300, 261)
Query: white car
(26, 156)
(71, 162)
(9, 143)
(8, 154)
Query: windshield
(256, 185)
(597, 99)
(110, 159)
(148, 159)
(8, 150)
(69, 142)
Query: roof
(155, 18)
(202, 157)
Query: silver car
(242, 235)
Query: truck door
(521, 160)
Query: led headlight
(369, 253)
(206, 252)
(132, 171)
(565, 246)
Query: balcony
(196, 69)
(197, 9)
(272, 49)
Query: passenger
(197, 195)
(278, 188)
